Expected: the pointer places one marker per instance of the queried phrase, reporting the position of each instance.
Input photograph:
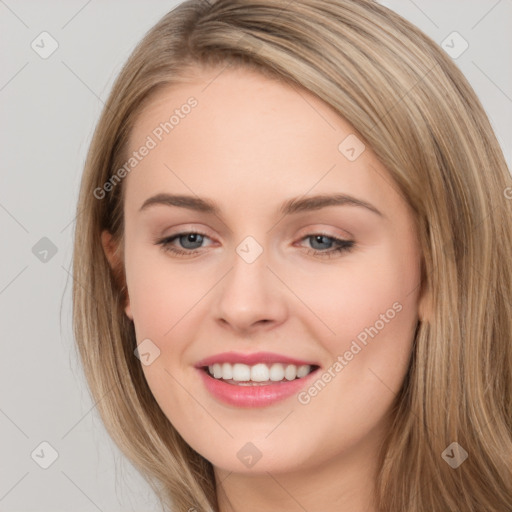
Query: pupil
(320, 238)
(192, 238)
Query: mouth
(254, 380)
(260, 374)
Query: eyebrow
(289, 207)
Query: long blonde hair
(415, 109)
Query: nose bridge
(249, 266)
(249, 292)
(249, 250)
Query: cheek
(161, 294)
(368, 310)
(371, 307)
(164, 301)
(364, 293)
(386, 312)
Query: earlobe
(128, 310)
(425, 305)
(110, 249)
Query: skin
(249, 145)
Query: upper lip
(251, 359)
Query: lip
(251, 359)
(254, 396)
(257, 395)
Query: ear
(112, 253)
(425, 304)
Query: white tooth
(217, 371)
(276, 372)
(290, 372)
(259, 372)
(227, 371)
(241, 372)
(303, 370)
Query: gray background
(49, 108)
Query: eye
(336, 245)
(191, 241)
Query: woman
(239, 362)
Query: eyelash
(342, 245)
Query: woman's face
(263, 285)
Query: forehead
(241, 98)
(237, 131)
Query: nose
(251, 296)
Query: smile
(259, 374)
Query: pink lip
(250, 359)
(253, 396)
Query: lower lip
(253, 396)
